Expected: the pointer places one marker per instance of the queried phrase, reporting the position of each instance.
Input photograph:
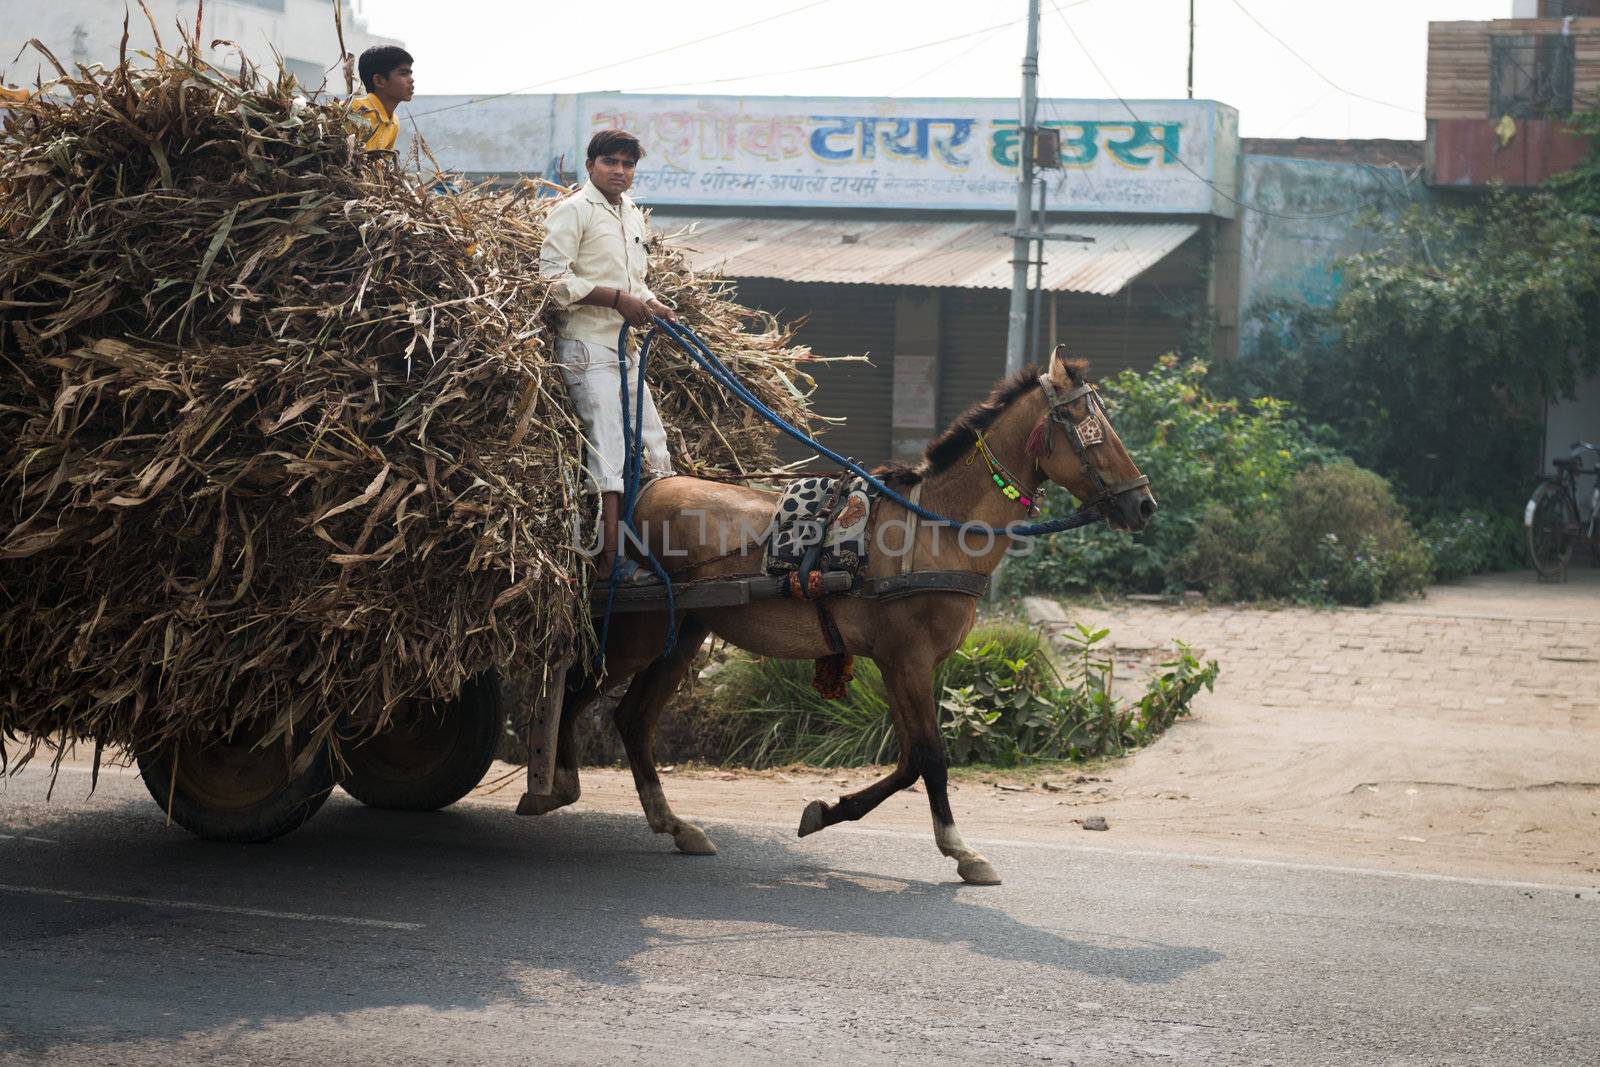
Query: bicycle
(1551, 517)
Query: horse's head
(1076, 447)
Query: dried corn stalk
(281, 437)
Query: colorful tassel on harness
(1039, 440)
(831, 676)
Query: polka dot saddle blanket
(803, 517)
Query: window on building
(1560, 9)
(1530, 77)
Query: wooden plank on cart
(544, 724)
(713, 593)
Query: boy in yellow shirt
(386, 73)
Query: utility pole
(1191, 49)
(1017, 324)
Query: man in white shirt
(594, 253)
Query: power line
(633, 59)
(829, 66)
(983, 39)
(1213, 186)
(1313, 68)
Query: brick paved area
(1469, 720)
(1482, 664)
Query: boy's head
(386, 70)
(613, 155)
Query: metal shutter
(972, 342)
(1128, 331)
(840, 320)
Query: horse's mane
(962, 434)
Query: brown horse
(1034, 430)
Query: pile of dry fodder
(282, 437)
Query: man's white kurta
(590, 242)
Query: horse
(1034, 427)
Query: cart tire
(434, 755)
(232, 790)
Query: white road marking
(1194, 857)
(192, 905)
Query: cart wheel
(433, 754)
(228, 789)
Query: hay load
(282, 438)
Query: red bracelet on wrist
(616, 295)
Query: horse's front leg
(971, 866)
(819, 815)
(636, 717)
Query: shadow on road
(578, 896)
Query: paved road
(472, 936)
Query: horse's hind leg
(565, 788)
(636, 717)
(910, 690)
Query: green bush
(1337, 536)
(1473, 541)
(1002, 701)
(1199, 451)
(1445, 342)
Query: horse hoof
(978, 871)
(693, 841)
(534, 804)
(811, 820)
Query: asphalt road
(473, 936)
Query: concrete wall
(523, 133)
(1310, 215)
(1573, 420)
(90, 32)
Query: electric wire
(829, 66)
(633, 59)
(1313, 68)
(984, 37)
(1269, 212)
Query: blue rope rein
(696, 349)
(632, 474)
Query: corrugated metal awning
(959, 255)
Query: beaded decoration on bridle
(1007, 482)
(1082, 434)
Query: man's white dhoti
(591, 373)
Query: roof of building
(1377, 152)
(959, 255)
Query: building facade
(1498, 96)
(882, 226)
(89, 32)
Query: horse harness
(1082, 435)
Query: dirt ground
(1457, 734)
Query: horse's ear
(1066, 371)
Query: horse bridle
(1084, 434)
